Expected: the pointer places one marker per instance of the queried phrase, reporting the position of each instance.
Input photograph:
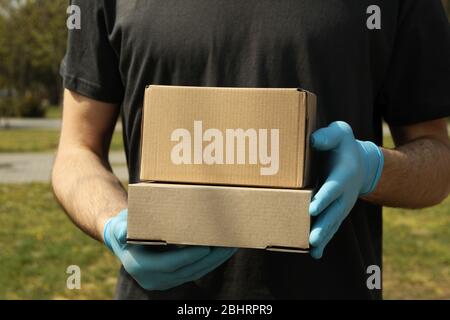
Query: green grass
(53, 112)
(388, 142)
(12, 140)
(35, 140)
(416, 253)
(38, 242)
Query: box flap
(309, 176)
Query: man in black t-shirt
(399, 72)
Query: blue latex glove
(355, 170)
(161, 270)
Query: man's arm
(93, 197)
(82, 177)
(413, 175)
(416, 173)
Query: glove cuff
(106, 236)
(375, 162)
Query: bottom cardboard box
(241, 217)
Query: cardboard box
(242, 217)
(227, 136)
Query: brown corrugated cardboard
(242, 217)
(227, 136)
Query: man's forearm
(415, 175)
(87, 189)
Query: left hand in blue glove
(355, 170)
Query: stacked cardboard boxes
(224, 167)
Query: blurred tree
(32, 43)
(48, 34)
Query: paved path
(36, 167)
(38, 123)
(29, 123)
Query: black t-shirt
(400, 72)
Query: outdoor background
(37, 240)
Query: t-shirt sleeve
(417, 87)
(90, 66)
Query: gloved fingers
(198, 275)
(119, 231)
(317, 252)
(171, 261)
(329, 192)
(185, 275)
(326, 222)
(330, 137)
(154, 281)
(164, 281)
(123, 214)
(171, 280)
(115, 231)
(197, 270)
(138, 259)
(217, 256)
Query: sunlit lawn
(37, 140)
(53, 112)
(416, 253)
(38, 243)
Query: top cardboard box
(227, 136)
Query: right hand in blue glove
(355, 169)
(161, 270)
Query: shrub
(7, 107)
(28, 106)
